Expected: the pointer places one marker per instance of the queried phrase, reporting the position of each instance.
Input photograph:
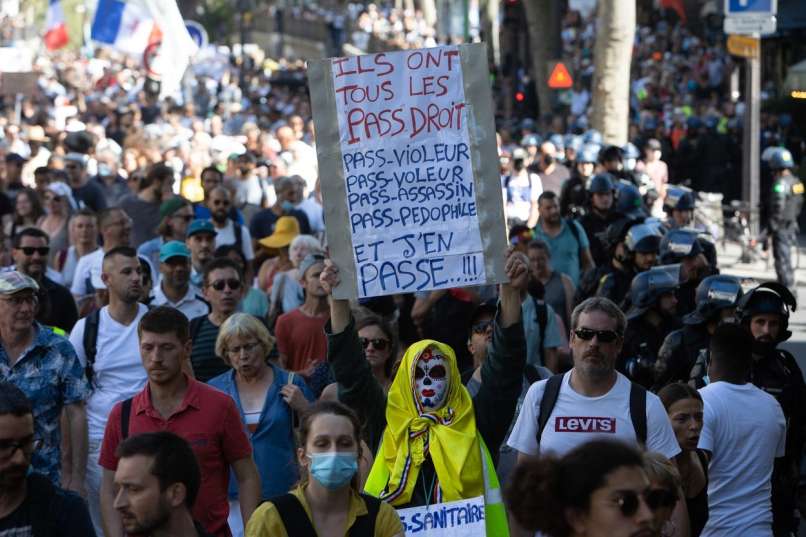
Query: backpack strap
(90, 341)
(542, 315)
(293, 515)
(364, 526)
(550, 395)
(125, 416)
(572, 225)
(638, 411)
(238, 232)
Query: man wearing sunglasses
(29, 503)
(592, 400)
(30, 249)
(174, 287)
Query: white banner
(462, 518)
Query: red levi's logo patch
(568, 424)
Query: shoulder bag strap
(364, 526)
(547, 403)
(293, 515)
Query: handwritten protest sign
(462, 518)
(408, 164)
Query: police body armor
(787, 200)
(678, 354)
(615, 285)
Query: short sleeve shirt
(210, 422)
(577, 419)
(565, 248)
(51, 376)
(531, 328)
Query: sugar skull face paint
(431, 379)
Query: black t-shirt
(206, 364)
(91, 195)
(57, 306)
(18, 523)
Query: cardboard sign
(409, 170)
(462, 518)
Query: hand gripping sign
(409, 170)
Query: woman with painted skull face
(432, 441)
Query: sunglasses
(379, 344)
(482, 327)
(232, 283)
(604, 336)
(29, 250)
(628, 501)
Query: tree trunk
(429, 12)
(612, 54)
(539, 27)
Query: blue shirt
(273, 442)
(531, 329)
(49, 373)
(565, 248)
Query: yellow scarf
(448, 435)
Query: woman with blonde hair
(267, 398)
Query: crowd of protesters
(173, 362)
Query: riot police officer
(684, 246)
(618, 269)
(716, 300)
(679, 205)
(573, 196)
(629, 202)
(637, 253)
(651, 317)
(765, 311)
(601, 194)
(786, 200)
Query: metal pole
(751, 141)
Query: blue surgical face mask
(287, 206)
(333, 469)
(104, 170)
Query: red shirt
(302, 340)
(209, 420)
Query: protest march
(362, 269)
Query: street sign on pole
(559, 77)
(743, 46)
(748, 17)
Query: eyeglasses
(29, 250)
(18, 301)
(604, 336)
(246, 348)
(27, 445)
(628, 500)
(379, 344)
(232, 283)
(482, 327)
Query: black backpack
(637, 407)
(296, 520)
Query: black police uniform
(786, 201)
(595, 226)
(678, 354)
(573, 196)
(642, 340)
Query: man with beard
(652, 315)
(144, 207)
(228, 231)
(765, 312)
(30, 505)
(600, 192)
(684, 246)
(569, 245)
(157, 480)
(717, 297)
(106, 344)
(174, 288)
(201, 243)
(574, 195)
(552, 173)
(556, 415)
(30, 249)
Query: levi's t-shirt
(577, 419)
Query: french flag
(126, 26)
(56, 34)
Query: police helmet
(679, 198)
(573, 141)
(557, 141)
(678, 244)
(601, 183)
(531, 140)
(647, 287)
(629, 201)
(588, 154)
(769, 297)
(766, 155)
(714, 294)
(629, 151)
(592, 136)
(643, 238)
(616, 232)
(781, 159)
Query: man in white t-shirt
(593, 399)
(116, 372)
(115, 227)
(744, 431)
(219, 202)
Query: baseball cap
(13, 281)
(173, 249)
(309, 261)
(285, 230)
(77, 157)
(201, 226)
(171, 205)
